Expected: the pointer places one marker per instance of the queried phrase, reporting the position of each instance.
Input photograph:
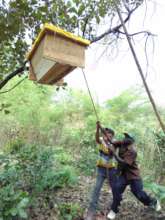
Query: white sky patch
(109, 77)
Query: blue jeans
(136, 188)
(102, 174)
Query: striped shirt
(105, 159)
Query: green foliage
(4, 108)
(25, 172)
(52, 180)
(69, 211)
(160, 140)
(20, 22)
(64, 158)
(41, 171)
(14, 145)
(130, 105)
(87, 161)
(13, 203)
(159, 156)
(14, 200)
(156, 189)
(48, 139)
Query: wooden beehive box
(54, 54)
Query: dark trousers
(136, 188)
(102, 174)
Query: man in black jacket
(129, 175)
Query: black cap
(109, 130)
(128, 139)
(126, 135)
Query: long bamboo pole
(140, 69)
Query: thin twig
(140, 32)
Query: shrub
(58, 179)
(87, 160)
(69, 211)
(64, 158)
(156, 189)
(13, 202)
(26, 172)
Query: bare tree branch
(115, 29)
(140, 32)
(13, 74)
(85, 25)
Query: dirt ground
(130, 208)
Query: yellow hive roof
(52, 28)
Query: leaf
(22, 213)
(14, 211)
(6, 112)
(73, 10)
(81, 9)
(23, 203)
(76, 2)
(7, 105)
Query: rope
(93, 104)
(94, 108)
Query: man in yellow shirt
(106, 167)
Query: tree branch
(11, 75)
(109, 31)
(14, 86)
(140, 32)
(115, 29)
(86, 22)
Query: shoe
(90, 215)
(157, 206)
(111, 215)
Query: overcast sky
(109, 76)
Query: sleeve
(130, 157)
(127, 141)
(117, 143)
